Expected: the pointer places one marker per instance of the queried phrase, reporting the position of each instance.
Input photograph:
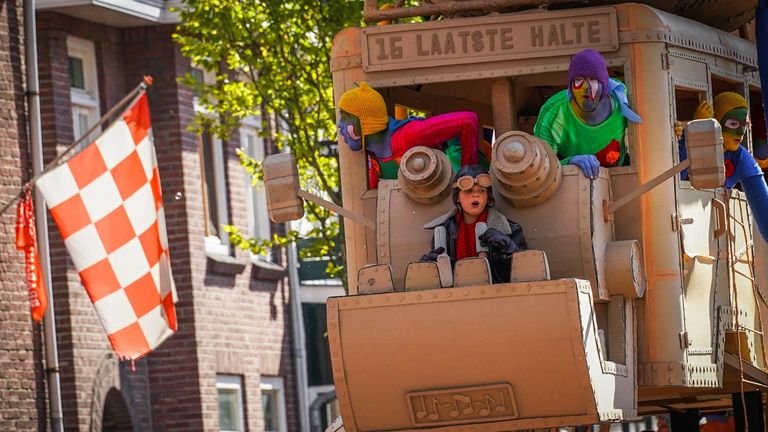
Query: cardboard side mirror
(281, 182)
(704, 145)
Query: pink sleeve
(434, 131)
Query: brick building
(22, 393)
(230, 366)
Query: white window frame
(232, 382)
(276, 385)
(259, 224)
(215, 245)
(84, 101)
(218, 245)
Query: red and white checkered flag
(108, 206)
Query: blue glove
(757, 197)
(499, 241)
(432, 255)
(589, 165)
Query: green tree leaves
(271, 59)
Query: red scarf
(465, 240)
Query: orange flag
(26, 242)
(108, 206)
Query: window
(258, 217)
(213, 175)
(318, 355)
(83, 86)
(273, 404)
(231, 415)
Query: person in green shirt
(585, 123)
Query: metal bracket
(677, 222)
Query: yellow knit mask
(727, 101)
(368, 105)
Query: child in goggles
(473, 197)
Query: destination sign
(487, 39)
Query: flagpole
(127, 101)
(35, 139)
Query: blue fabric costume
(745, 171)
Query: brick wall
(22, 389)
(229, 323)
(173, 369)
(88, 367)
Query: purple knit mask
(589, 64)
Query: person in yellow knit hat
(732, 112)
(365, 126)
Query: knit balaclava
(589, 64)
(725, 102)
(368, 105)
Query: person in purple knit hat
(585, 123)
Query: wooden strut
(373, 14)
(337, 208)
(731, 245)
(659, 179)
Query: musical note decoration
(474, 404)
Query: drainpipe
(297, 325)
(41, 217)
(314, 410)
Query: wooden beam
(373, 14)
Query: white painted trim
(219, 170)
(276, 385)
(138, 9)
(259, 224)
(319, 293)
(233, 382)
(84, 100)
(85, 50)
(218, 244)
(215, 246)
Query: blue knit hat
(589, 64)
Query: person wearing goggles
(731, 111)
(473, 197)
(585, 123)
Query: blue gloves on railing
(588, 164)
